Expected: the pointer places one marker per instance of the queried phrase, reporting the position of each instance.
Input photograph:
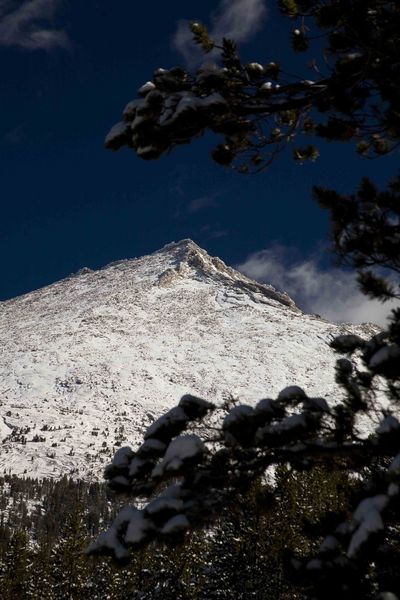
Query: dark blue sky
(68, 203)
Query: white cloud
(26, 25)
(332, 293)
(236, 19)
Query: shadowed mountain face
(87, 363)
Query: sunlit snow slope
(88, 362)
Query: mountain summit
(88, 362)
(193, 262)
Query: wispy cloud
(15, 136)
(27, 24)
(236, 19)
(212, 232)
(183, 42)
(201, 203)
(332, 293)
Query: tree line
(47, 525)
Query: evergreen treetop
(259, 108)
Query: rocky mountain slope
(88, 362)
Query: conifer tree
(69, 566)
(259, 108)
(41, 576)
(16, 569)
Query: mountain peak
(185, 251)
(184, 244)
(88, 362)
(191, 261)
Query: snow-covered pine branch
(182, 481)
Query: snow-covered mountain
(88, 362)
